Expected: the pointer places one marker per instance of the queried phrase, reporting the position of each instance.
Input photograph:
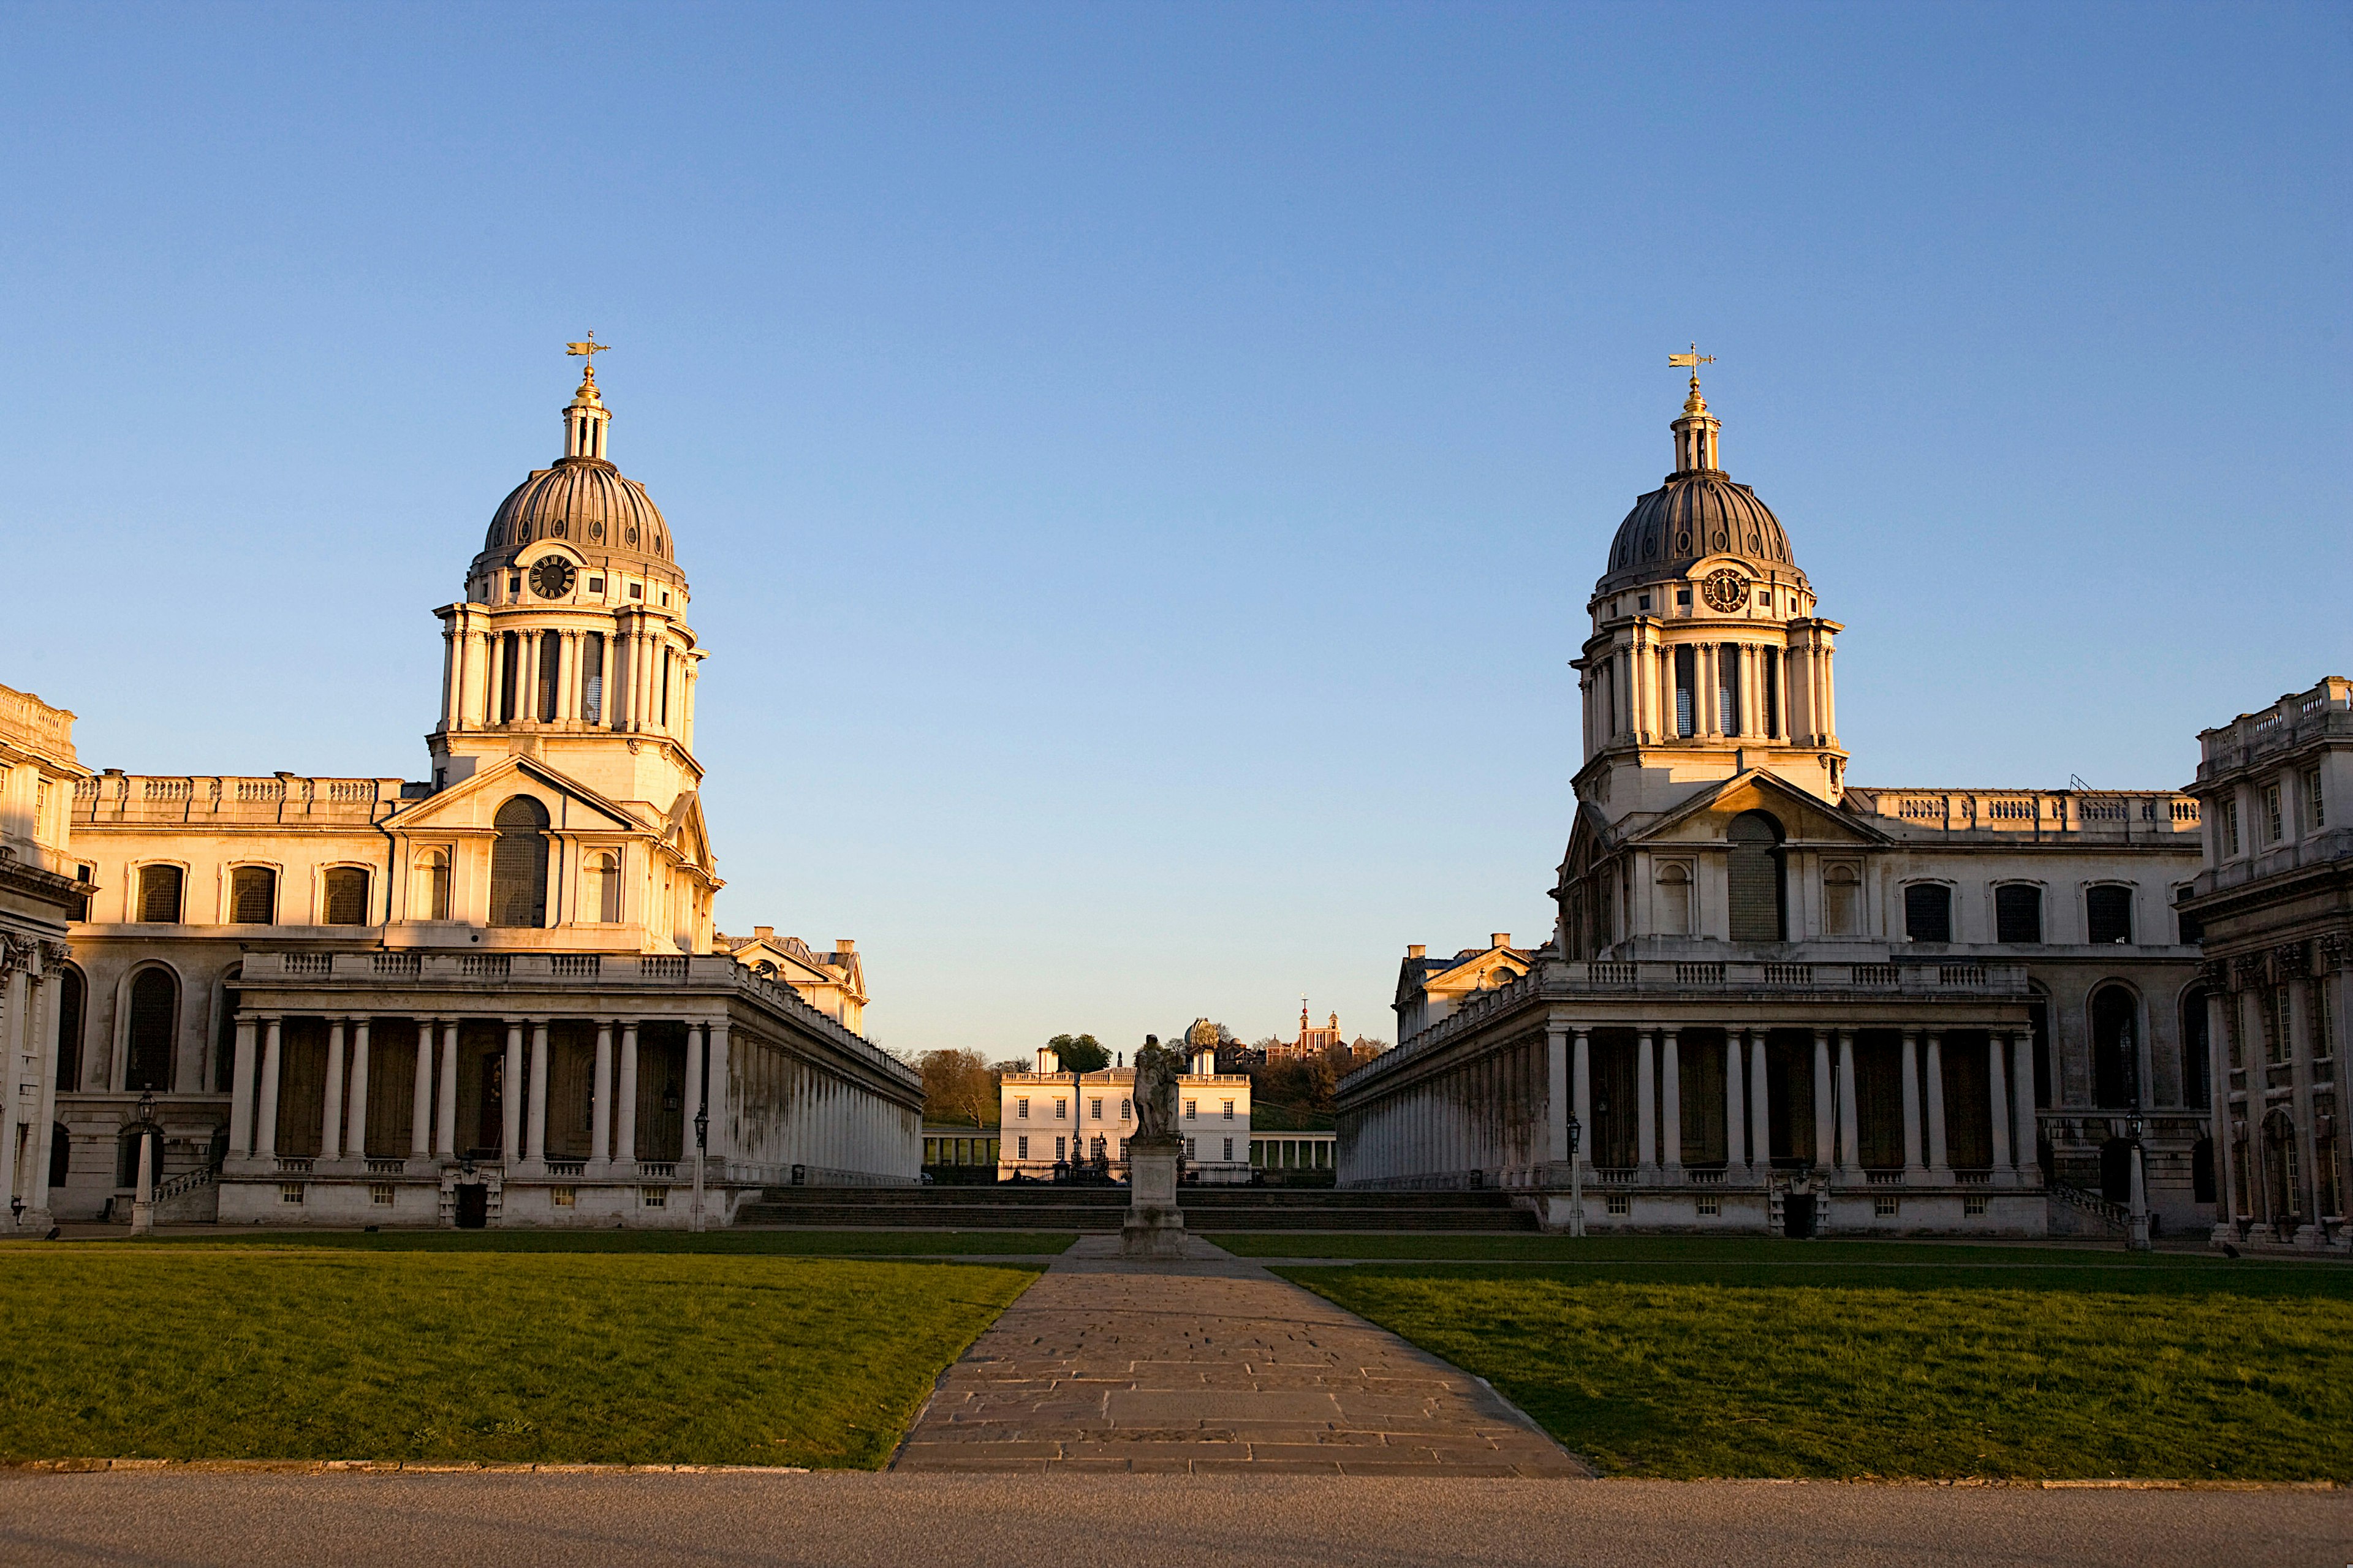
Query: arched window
(159, 894)
(519, 865)
(2197, 1060)
(1928, 912)
(2018, 913)
(347, 889)
(1842, 902)
(225, 1032)
(253, 896)
(154, 1025)
(60, 1154)
(1674, 899)
(2115, 1059)
(604, 888)
(73, 1001)
(2108, 911)
(1753, 881)
(430, 897)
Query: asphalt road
(259, 1520)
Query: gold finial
(588, 351)
(1694, 403)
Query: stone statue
(1156, 1072)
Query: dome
(1693, 515)
(585, 502)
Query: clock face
(552, 578)
(1725, 591)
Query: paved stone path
(1209, 1364)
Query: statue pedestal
(1154, 1226)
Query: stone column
(331, 1108)
(1557, 1102)
(693, 1102)
(240, 1099)
(1825, 1110)
(600, 1115)
(625, 1117)
(420, 1114)
(2021, 1091)
(1849, 1122)
(1997, 1093)
(2227, 1198)
(535, 1146)
(526, 704)
(265, 1135)
(511, 1096)
(1913, 1170)
(1940, 1168)
(1581, 1088)
(444, 1120)
(1646, 1127)
(1704, 689)
(494, 696)
(1736, 1111)
(1671, 1111)
(567, 677)
(718, 1087)
(1760, 1119)
(356, 1144)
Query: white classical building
(2274, 900)
(494, 996)
(1773, 999)
(1050, 1117)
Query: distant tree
(959, 1088)
(1080, 1053)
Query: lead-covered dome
(588, 503)
(1699, 512)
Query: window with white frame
(2275, 819)
(1022, 1147)
(1192, 1110)
(1229, 1110)
(2229, 828)
(1022, 1108)
(2315, 816)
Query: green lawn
(217, 1350)
(1720, 1359)
(780, 1243)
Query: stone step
(1046, 1207)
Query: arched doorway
(519, 865)
(73, 996)
(60, 1154)
(2197, 1060)
(2115, 1170)
(1753, 875)
(2116, 1058)
(154, 1022)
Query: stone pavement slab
(1206, 1364)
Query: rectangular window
(1061, 1147)
(1883, 1205)
(654, 1198)
(253, 896)
(595, 584)
(1707, 1208)
(515, 584)
(1619, 1203)
(2229, 828)
(1192, 1110)
(1095, 1109)
(380, 1193)
(159, 894)
(1188, 1148)
(2017, 913)
(1230, 1148)
(2324, 1030)
(2314, 813)
(1973, 1207)
(636, 590)
(2110, 913)
(2283, 1021)
(1769, 662)
(1928, 912)
(1062, 1110)
(1728, 689)
(1021, 1109)
(289, 1191)
(346, 888)
(1686, 678)
(1126, 1112)
(564, 1198)
(2275, 825)
(1229, 1110)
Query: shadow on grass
(738, 1243)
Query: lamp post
(1575, 1180)
(701, 1140)
(2137, 1221)
(142, 1198)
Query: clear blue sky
(1142, 467)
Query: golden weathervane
(1691, 362)
(588, 351)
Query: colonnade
(433, 1122)
(1632, 690)
(1658, 1138)
(1279, 1152)
(644, 679)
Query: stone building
(834, 982)
(1773, 999)
(41, 890)
(494, 996)
(2274, 900)
(1049, 1117)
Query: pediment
(471, 803)
(1804, 818)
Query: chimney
(1419, 950)
(1049, 1063)
(843, 944)
(1498, 939)
(759, 933)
